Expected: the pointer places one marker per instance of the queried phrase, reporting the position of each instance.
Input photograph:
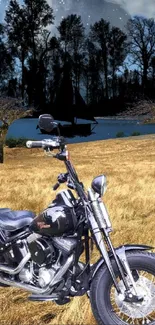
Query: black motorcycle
(42, 253)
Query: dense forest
(47, 71)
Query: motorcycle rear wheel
(109, 309)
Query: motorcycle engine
(46, 276)
(42, 276)
(42, 267)
(42, 251)
(47, 257)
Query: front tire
(106, 308)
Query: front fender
(128, 248)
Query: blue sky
(3, 4)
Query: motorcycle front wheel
(110, 309)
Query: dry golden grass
(26, 180)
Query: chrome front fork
(101, 246)
(122, 257)
(100, 223)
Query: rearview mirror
(46, 122)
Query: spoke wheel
(109, 308)
(136, 313)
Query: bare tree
(141, 33)
(10, 110)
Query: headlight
(99, 184)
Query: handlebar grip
(55, 187)
(34, 144)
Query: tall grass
(26, 180)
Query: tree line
(33, 62)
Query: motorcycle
(41, 253)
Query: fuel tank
(58, 218)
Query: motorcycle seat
(13, 220)
(4, 210)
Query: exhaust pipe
(16, 270)
(52, 297)
(57, 278)
(20, 285)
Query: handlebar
(62, 178)
(34, 144)
(55, 187)
(47, 143)
(58, 143)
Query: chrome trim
(16, 270)
(62, 271)
(122, 257)
(105, 214)
(22, 286)
(96, 208)
(102, 248)
(38, 290)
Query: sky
(90, 10)
(116, 12)
(141, 7)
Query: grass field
(26, 180)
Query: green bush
(14, 142)
(120, 134)
(135, 134)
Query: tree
(117, 53)
(100, 35)
(6, 61)
(10, 110)
(26, 29)
(141, 33)
(54, 69)
(36, 89)
(153, 68)
(18, 35)
(111, 44)
(91, 73)
(71, 39)
(39, 16)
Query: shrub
(120, 134)
(14, 142)
(135, 134)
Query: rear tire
(100, 291)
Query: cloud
(137, 7)
(90, 11)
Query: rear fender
(128, 248)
